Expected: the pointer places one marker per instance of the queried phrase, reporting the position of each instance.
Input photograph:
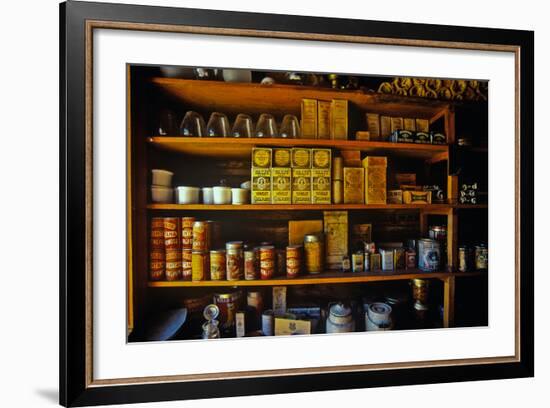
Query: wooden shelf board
(254, 98)
(242, 148)
(305, 207)
(321, 279)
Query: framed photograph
(256, 204)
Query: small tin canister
(463, 258)
(481, 257)
(399, 258)
(410, 259)
(366, 261)
(234, 260)
(375, 262)
(187, 232)
(267, 262)
(428, 255)
(387, 259)
(201, 236)
(228, 304)
(313, 253)
(250, 270)
(370, 247)
(293, 260)
(357, 259)
(187, 264)
(172, 233)
(421, 290)
(200, 265)
(217, 264)
(268, 322)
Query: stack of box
(375, 179)
(301, 175)
(337, 180)
(324, 119)
(281, 177)
(398, 129)
(336, 237)
(321, 176)
(261, 175)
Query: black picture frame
(73, 294)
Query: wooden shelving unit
(311, 207)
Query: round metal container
(313, 253)
(200, 265)
(267, 262)
(250, 271)
(217, 264)
(172, 233)
(234, 256)
(268, 321)
(228, 305)
(201, 236)
(421, 290)
(187, 232)
(187, 264)
(481, 257)
(429, 255)
(463, 258)
(293, 260)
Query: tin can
(173, 265)
(421, 290)
(217, 264)
(234, 257)
(281, 262)
(399, 258)
(255, 300)
(201, 236)
(293, 260)
(428, 255)
(375, 262)
(463, 258)
(346, 263)
(200, 267)
(187, 264)
(357, 259)
(481, 257)
(187, 232)
(386, 256)
(439, 233)
(410, 259)
(370, 247)
(268, 322)
(267, 262)
(172, 233)
(157, 254)
(228, 305)
(366, 261)
(313, 253)
(250, 271)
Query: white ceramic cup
(161, 194)
(162, 177)
(222, 195)
(240, 196)
(207, 195)
(187, 195)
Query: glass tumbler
(290, 127)
(167, 123)
(243, 126)
(266, 126)
(192, 125)
(218, 125)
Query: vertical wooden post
(450, 125)
(448, 301)
(452, 189)
(423, 224)
(452, 240)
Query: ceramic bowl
(187, 195)
(162, 177)
(207, 195)
(222, 195)
(162, 194)
(240, 196)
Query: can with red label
(157, 255)
(293, 260)
(217, 264)
(187, 264)
(267, 262)
(187, 232)
(250, 271)
(234, 260)
(201, 236)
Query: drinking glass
(266, 126)
(218, 125)
(243, 126)
(192, 125)
(290, 127)
(167, 123)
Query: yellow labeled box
(375, 179)
(289, 327)
(309, 119)
(339, 119)
(281, 187)
(385, 128)
(323, 119)
(261, 186)
(335, 225)
(354, 184)
(373, 125)
(301, 186)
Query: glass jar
(314, 254)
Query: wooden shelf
(321, 279)
(305, 207)
(242, 148)
(254, 98)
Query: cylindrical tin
(386, 256)
(268, 322)
(439, 233)
(421, 290)
(228, 305)
(250, 271)
(481, 257)
(337, 191)
(357, 259)
(399, 258)
(281, 262)
(428, 255)
(463, 258)
(157, 255)
(200, 267)
(187, 232)
(379, 314)
(410, 259)
(346, 263)
(370, 247)
(173, 264)
(187, 264)
(293, 260)
(172, 233)
(267, 262)
(234, 260)
(256, 301)
(201, 236)
(217, 264)
(338, 168)
(366, 261)
(313, 253)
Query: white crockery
(240, 196)
(222, 195)
(207, 195)
(187, 195)
(161, 194)
(162, 177)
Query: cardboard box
(352, 158)
(261, 157)
(373, 125)
(320, 186)
(336, 237)
(405, 178)
(279, 300)
(289, 327)
(417, 197)
(281, 185)
(281, 157)
(240, 324)
(309, 119)
(362, 135)
(395, 197)
(261, 185)
(301, 186)
(354, 185)
(298, 229)
(300, 158)
(339, 119)
(396, 124)
(422, 125)
(409, 124)
(375, 179)
(323, 119)
(337, 168)
(385, 128)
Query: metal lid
(211, 312)
(438, 228)
(420, 282)
(294, 247)
(340, 310)
(234, 245)
(420, 306)
(428, 240)
(217, 251)
(312, 238)
(267, 248)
